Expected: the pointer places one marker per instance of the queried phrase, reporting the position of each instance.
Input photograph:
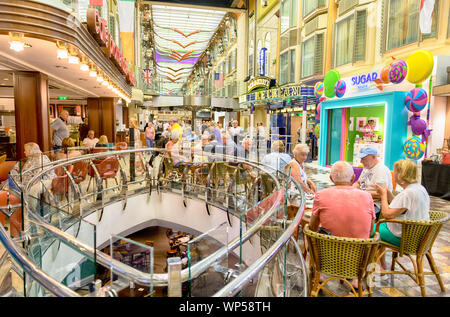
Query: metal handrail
(234, 286)
(122, 269)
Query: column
(102, 117)
(31, 103)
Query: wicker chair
(342, 258)
(417, 239)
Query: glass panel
(360, 36)
(60, 260)
(308, 57)
(293, 14)
(213, 279)
(285, 15)
(137, 255)
(310, 5)
(284, 68)
(344, 41)
(292, 66)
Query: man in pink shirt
(343, 210)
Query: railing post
(174, 277)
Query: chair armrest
(387, 220)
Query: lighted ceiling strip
(181, 36)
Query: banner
(126, 22)
(148, 74)
(426, 16)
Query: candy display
(398, 71)
(384, 74)
(330, 81)
(416, 100)
(317, 130)
(420, 66)
(414, 148)
(419, 126)
(318, 89)
(340, 88)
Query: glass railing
(59, 193)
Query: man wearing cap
(374, 172)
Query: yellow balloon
(420, 66)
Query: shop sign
(364, 81)
(259, 82)
(98, 27)
(284, 92)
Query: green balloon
(330, 81)
(317, 130)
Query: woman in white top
(412, 203)
(297, 168)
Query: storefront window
(267, 46)
(308, 58)
(284, 67)
(311, 5)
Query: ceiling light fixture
(62, 50)
(73, 57)
(84, 64)
(99, 78)
(16, 43)
(93, 72)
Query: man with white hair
(374, 172)
(343, 210)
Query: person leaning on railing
(412, 203)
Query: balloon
(414, 148)
(384, 74)
(416, 100)
(420, 66)
(318, 107)
(318, 89)
(317, 130)
(339, 88)
(329, 81)
(397, 71)
(322, 98)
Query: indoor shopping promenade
(232, 149)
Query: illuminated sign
(98, 27)
(262, 61)
(63, 98)
(259, 82)
(364, 81)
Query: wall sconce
(84, 64)
(93, 72)
(62, 50)
(73, 57)
(16, 43)
(100, 77)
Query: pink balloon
(322, 98)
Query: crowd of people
(350, 208)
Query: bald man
(343, 210)
(59, 130)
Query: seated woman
(412, 203)
(66, 152)
(102, 141)
(297, 169)
(34, 159)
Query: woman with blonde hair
(66, 144)
(297, 168)
(102, 141)
(137, 134)
(412, 203)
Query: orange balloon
(384, 74)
